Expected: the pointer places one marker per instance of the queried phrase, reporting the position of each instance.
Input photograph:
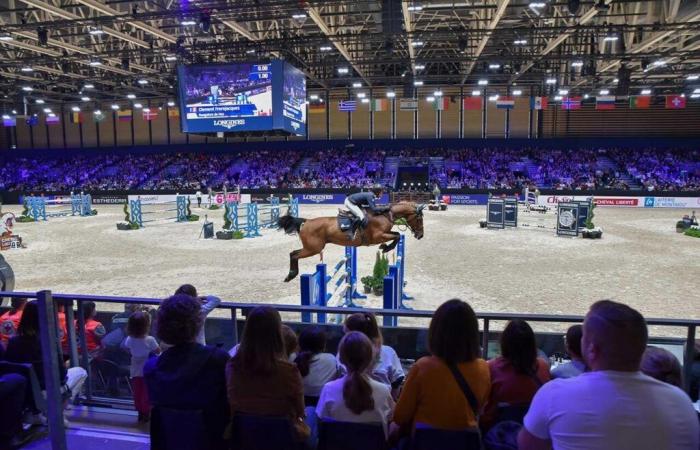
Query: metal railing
(49, 335)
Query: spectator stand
(137, 210)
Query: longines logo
(228, 124)
(317, 198)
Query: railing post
(688, 357)
(49, 356)
(234, 319)
(485, 340)
(306, 282)
(84, 359)
(70, 330)
(322, 291)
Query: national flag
(173, 112)
(571, 103)
(33, 120)
(472, 103)
(150, 114)
(52, 119)
(124, 115)
(605, 102)
(505, 103)
(378, 104)
(317, 108)
(675, 102)
(99, 117)
(441, 103)
(347, 105)
(539, 102)
(76, 117)
(640, 101)
(408, 104)
(9, 121)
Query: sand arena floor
(641, 261)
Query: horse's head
(413, 214)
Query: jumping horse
(316, 233)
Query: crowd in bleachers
(650, 169)
(614, 392)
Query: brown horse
(316, 233)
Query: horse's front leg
(392, 236)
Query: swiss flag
(675, 102)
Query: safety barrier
(136, 210)
(42, 208)
(315, 287)
(570, 219)
(250, 217)
(394, 284)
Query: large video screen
(242, 97)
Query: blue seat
(427, 438)
(333, 435)
(182, 429)
(250, 432)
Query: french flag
(505, 103)
(605, 102)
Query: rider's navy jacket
(363, 199)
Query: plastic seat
(180, 429)
(427, 438)
(251, 432)
(333, 435)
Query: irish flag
(640, 101)
(505, 103)
(441, 103)
(378, 104)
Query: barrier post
(181, 206)
(86, 205)
(351, 271)
(293, 209)
(135, 212)
(307, 290)
(76, 203)
(389, 296)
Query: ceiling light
(325, 48)
(85, 99)
(551, 81)
(171, 58)
(299, 16)
(696, 91)
(14, 111)
(89, 86)
(115, 106)
(130, 96)
(97, 112)
(534, 5)
(577, 64)
(430, 98)
(343, 70)
(96, 31)
(75, 109)
(616, 80)
(361, 95)
(563, 91)
(250, 52)
(483, 82)
(692, 77)
(476, 93)
(420, 67)
(558, 97)
(171, 103)
(365, 100)
(47, 110)
(146, 109)
(694, 95)
(27, 69)
(493, 98)
(610, 38)
(659, 63)
(391, 94)
(39, 101)
(586, 96)
(138, 105)
(646, 91)
(27, 88)
(356, 85)
(415, 8)
(142, 81)
(418, 83)
(95, 63)
(417, 44)
(494, 66)
(517, 92)
(6, 37)
(604, 92)
(313, 97)
(437, 93)
(187, 22)
(5, 116)
(520, 42)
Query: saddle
(348, 223)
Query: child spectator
(9, 322)
(94, 330)
(208, 302)
(140, 345)
(316, 367)
(356, 397)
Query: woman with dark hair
(661, 364)
(386, 367)
(517, 374)
(260, 379)
(448, 389)
(356, 397)
(316, 367)
(188, 375)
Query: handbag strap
(466, 390)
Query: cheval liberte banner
(216, 198)
(625, 201)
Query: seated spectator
(140, 346)
(188, 375)
(613, 406)
(9, 322)
(356, 397)
(12, 394)
(25, 347)
(316, 367)
(260, 379)
(661, 364)
(208, 304)
(94, 330)
(515, 375)
(575, 367)
(432, 394)
(387, 367)
(291, 343)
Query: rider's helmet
(377, 189)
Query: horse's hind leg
(294, 258)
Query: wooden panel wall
(360, 121)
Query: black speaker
(408, 90)
(623, 80)
(208, 230)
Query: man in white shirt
(614, 406)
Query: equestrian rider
(356, 203)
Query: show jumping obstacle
(76, 205)
(250, 217)
(137, 210)
(570, 218)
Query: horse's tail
(290, 224)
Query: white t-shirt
(139, 348)
(610, 410)
(388, 369)
(322, 369)
(332, 406)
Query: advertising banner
(217, 198)
(465, 199)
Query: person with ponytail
(315, 366)
(356, 397)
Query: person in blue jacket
(359, 200)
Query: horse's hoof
(290, 277)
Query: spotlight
(97, 112)
(418, 83)
(415, 7)
(343, 70)
(558, 97)
(551, 81)
(493, 98)
(365, 100)
(171, 103)
(417, 44)
(142, 81)
(604, 92)
(89, 86)
(357, 85)
(138, 105)
(577, 64)
(115, 106)
(313, 97)
(361, 95)
(563, 91)
(96, 31)
(47, 110)
(299, 16)
(517, 92)
(520, 42)
(85, 99)
(325, 48)
(39, 101)
(437, 93)
(27, 88)
(130, 96)
(75, 109)
(420, 66)
(611, 38)
(692, 77)
(483, 82)
(476, 93)
(171, 58)
(6, 37)
(494, 66)
(187, 22)
(94, 63)
(646, 91)
(391, 94)
(430, 98)
(27, 69)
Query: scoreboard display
(242, 97)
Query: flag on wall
(33, 120)
(472, 103)
(441, 103)
(408, 104)
(317, 108)
(173, 112)
(76, 117)
(124, 115)
(98, 117)
(505, 103)
(150, 114)
(571, 103)
(52, 119)
(605, 102)
(675, 102)
(378, 104)
(9, 121)
(347, 105)
(640, 101)
(539, 102)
